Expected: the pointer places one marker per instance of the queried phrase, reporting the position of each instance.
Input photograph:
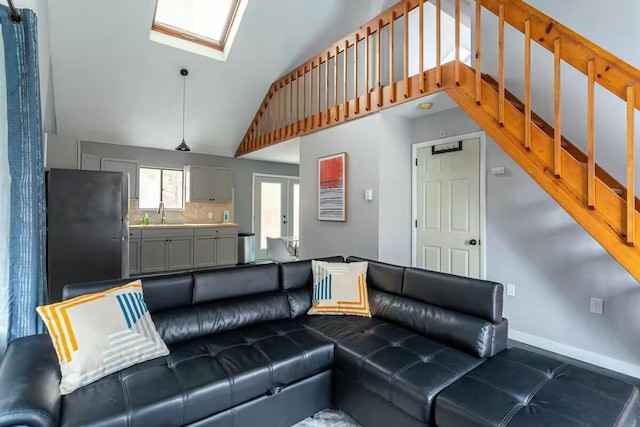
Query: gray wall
(556, 266)
(243, 170)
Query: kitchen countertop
(169, 226)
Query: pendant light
(184, 73)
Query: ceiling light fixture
(184, 73)
(425, 106)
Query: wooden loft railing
(314, 96)
(603, 206)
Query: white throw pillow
(98, 334)
(340, 288)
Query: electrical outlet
(210, 215)
(596, 306)
(511, 290)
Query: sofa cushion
(521, 388)
(401, 366)
(163, 292)
(478, 298)
(383, 277)
(205, 319)
(338, 328)
(471, 334)
(202, 377)
(216, 285)
(295, 275)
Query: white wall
(556, 266)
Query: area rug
(328, 418)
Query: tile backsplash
(194, 213)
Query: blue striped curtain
(27, 215)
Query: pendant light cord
(184, 90)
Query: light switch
(368, 195)
(498, 170)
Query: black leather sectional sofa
(245, 354)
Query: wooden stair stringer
(606, 223)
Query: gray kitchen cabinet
(200, 183)
(209, 184)
(123, 165)
(204, 251)
(134, 256)
(222, 185)
(227, 250)
(180, 253)
(89, 162)
(61, 152)
(154, 255)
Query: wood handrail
(611, 72)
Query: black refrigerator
(88, 227)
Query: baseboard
(577, 353)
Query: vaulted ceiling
(112, 84)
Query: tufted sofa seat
(244, 353)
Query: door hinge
(416, 161)
(416, 223)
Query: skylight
(206, 22)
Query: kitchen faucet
(161, 209)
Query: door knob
(473, 242)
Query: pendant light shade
(184, 73)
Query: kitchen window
(165, 185)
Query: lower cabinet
(134, 256)
(183, 249)
(215, 247)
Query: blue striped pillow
(98, 334)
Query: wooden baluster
(591, 161)
(438, 43)
(356, 62)
(268, 135)
(379, 66)
(279, 126)
(346, 77)
(311, 119)
(631, 197)
(501, 66)
(407, 88)
(457, 24)
(304, 98)
(366, 71)
(527, 84)
(335, 73)
(478, 54)
(319, 83)
(391, 64)
(326, 89)
(291, 105)
(557, 132)
(298, 101)
(285, 127)
(421, 47)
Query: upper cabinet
(209, 184)
(61, 152)
(124, 165)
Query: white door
(270, 211)
(448, 207)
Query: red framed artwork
(332, 188)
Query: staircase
(346, 82)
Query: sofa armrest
(30, 383)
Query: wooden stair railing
(598, 202)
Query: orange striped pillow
(97, 334)
(340, 289)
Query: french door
(276, 213)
